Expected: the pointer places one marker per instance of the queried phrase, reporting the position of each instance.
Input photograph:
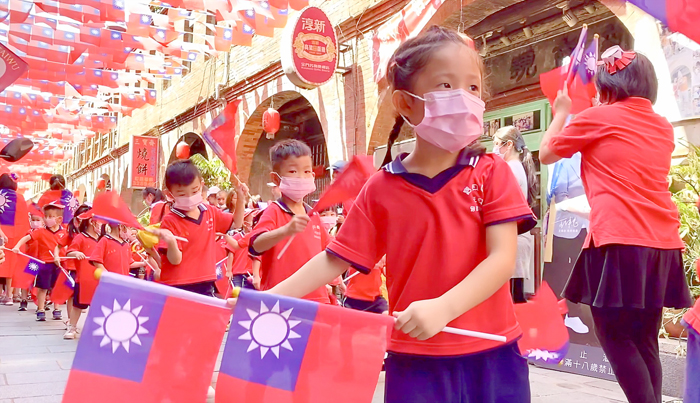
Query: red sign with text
(311, 54)
(144, 162)
(11, 67)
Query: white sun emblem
(269, 330)
(4, 202)
(591, 63)
(73, 203)
(33, 266)
(120, 326)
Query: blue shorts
(692, 367)
(241, 280)
(500, 375)
(46, 276)
(206, 288)
(76, 297)
(379, 305)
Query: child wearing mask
(293, 173)
(36, 221)
(191, 265)
(81, 248)
(49, 241)
(447, 208)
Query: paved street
(35, 361)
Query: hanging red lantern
(101, 183)
(271, 121)
(182, 150)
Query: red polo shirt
(47, 240)
(367, 287)
(626, 156)
(199, 253)
(113, 254)
(433, 233)
(86, 244)
(305, 245)
(242, 263)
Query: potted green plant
(685, 188)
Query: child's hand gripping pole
(235, 292)
(22, 254)
(279, 256)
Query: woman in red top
(631, 264)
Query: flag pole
(22, 254)
(236, 291)
(578, 52)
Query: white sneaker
(6, 301)
(575, 324)
(70, 333)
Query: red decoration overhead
(271, 121)
(82, 59)
(182, 150)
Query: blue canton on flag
(268, 339)
(8, 206)
(119, 332)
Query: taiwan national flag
(63, 289)
(223, 283)
(283, 349)
(146, 342)
(67, 199)
(13, 215)
(23, 279)
(679, 15)
(221, 135)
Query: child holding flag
(631, 265)
(113, 250)
(82, 246)
(36, 221)
(447, 215)
(49, 241)
(191, 265)
(287, 217)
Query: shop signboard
(143, 170)
(310, 52)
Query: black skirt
(617, 276)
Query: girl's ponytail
(531, 172)
(393, 136)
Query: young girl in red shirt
(82, 247)
(446, 216)
(631, 266)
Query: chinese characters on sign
(144, 162)
(585, 360)
(309, 58)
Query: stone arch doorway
(196, 144)
(299, 120)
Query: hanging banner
(310, 51)
(143, 170)
(410, 22)
(11, 67)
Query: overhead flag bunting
(101, 55)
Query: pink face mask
(453, 119)
(296, 188)
(36, 224)
(50, 222)
(187, 203)
(328, 221)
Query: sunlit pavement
(35, 362)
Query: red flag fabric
(581, 95)
(221, 135)
(25, 270)
(271, 333)
(12, 67)
(545, 337)
(146, 342)
(348, 184)
(108, 206)
(63, 289)
(679, 15)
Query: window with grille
(189, 38)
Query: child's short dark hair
(285, 149)
(638, 79)
(48, 208)
(181, 173)
(6, 182)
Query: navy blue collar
(467, 158)
(282, 205)
(86, 235)
(183, 214)
(108, 236)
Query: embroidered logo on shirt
(475, 191)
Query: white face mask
(499, 150)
